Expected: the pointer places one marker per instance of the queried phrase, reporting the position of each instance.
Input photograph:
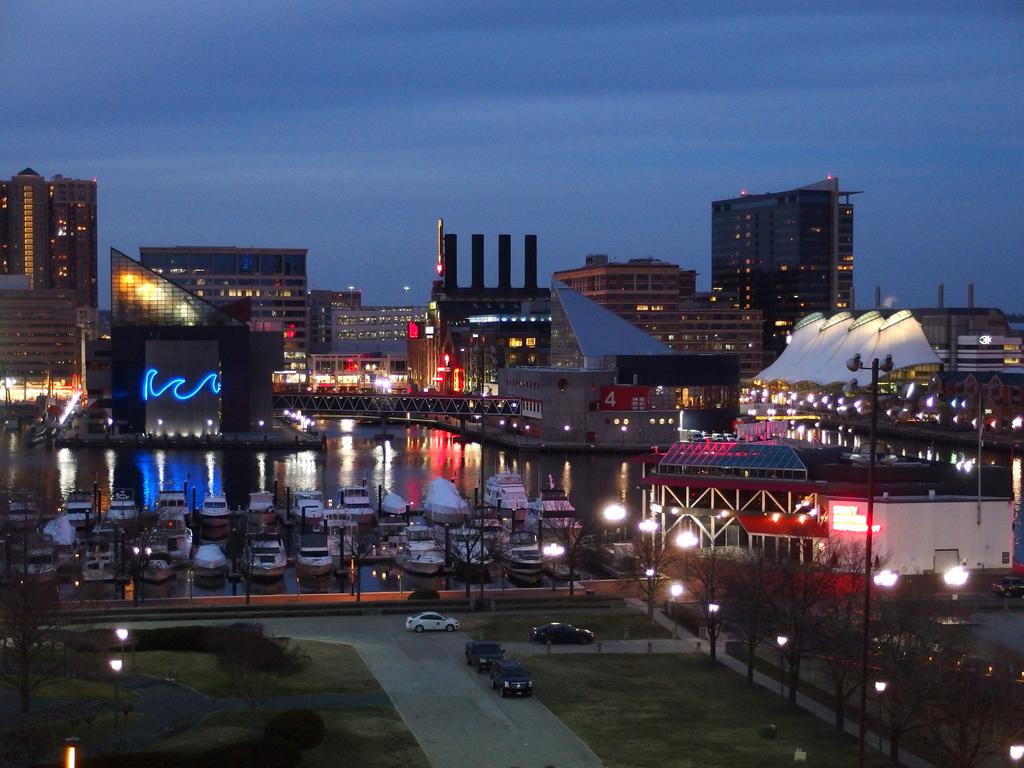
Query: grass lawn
(612, 624)
(370, 738)
(332, 668)
(78, 689)
(673, 710)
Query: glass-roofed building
(181, 366)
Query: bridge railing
(397, 405)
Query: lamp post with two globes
(856, 364)
(1016, 753)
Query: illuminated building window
(531, 341)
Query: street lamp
(781, 641)
(552, 551)
(687, 539)
(115, 666)
(649, 525)
(1016, 753)
(886, 366)
(880, 686)
(885, 578)
(675, 590)
(955, 576)
(614, 513)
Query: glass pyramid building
(142, 297)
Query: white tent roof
(819, 349)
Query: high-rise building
(787, 254)
(272, 279)
(704, 327)
(321, 315)
(48, 232)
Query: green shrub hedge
(302, 726)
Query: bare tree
(566, 532)
(651, 567)
(804, 582)
(911, 648)
(705, 573)
(974, 714)
(749, 581)
(839, 629)
(31, 615)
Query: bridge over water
(396, 406)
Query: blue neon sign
(174, 386)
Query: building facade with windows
(273, 280)
(48, 233)
(787, 254)
(321, 315)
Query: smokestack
(504, 261)
(478, 262)
(530, 263)
(942, 295)
(970, 295)
(451, 262)
(878, 297)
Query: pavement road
(450, 708)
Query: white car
(422, 622)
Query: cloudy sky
(349, 127)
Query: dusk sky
(348, 128)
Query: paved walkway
(804, 702)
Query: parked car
(482, 652)
(510, 678)
(423, 622)
(556, 632)
(1008, 586)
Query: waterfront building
(786, 253)
(470, 333)
(368, 323)
(272, 279)
(661, 299)
(364, 366)
(928, 516)
(955, 398)
(179, 365)
(321, 315)
(40, 339)
(48, 233)
(611, 384)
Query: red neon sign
(413, 330)
(848, 518)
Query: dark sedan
(556, 632)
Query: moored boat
(100, 561)
(209, 562)
(312, 558)
(504, 491)
(523, 556)
(261, 511)
(123, 510)
(355, 500)
(307, 512)
(443, 504)
(420, 553)
(22, 511)
(214, 510)
(265, 558)
(157, 568)
(80, 510)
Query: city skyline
(349, 130)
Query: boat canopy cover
(393, 504)
(61, 531)
(443, 502)
(210, 556)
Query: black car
(556, 632)
(482, 653)
(510, 678)
(1008, 586)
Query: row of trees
(813, 596)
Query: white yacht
(123, 510)
(420, 553)
(170, 501)
(79, 510)
(394, 505)
(489, 526)
(209, 562)
(467, 547)
(174, 537)
(35, 560)
(554, 508)
(265, 557)
(22, 511)
(214, 510)
(262, 511)
(505, 492)
(312, 557)
(523, 556)
(308, 509)
(100, 561)
(355, 500)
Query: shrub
(176, 638)
(425, 594)
(303, 726)
(252, 753)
